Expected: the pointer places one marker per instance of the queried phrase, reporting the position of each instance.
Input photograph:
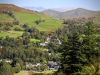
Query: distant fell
(34, 8)
(68, 14)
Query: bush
(87, 70)
(5, 69)
(16, 69)
(25, 25)
(5, 11)
(78, 73)
(6, 28)
(38, 21)
(60, 73)
(16, 22)
(1, 24)
(17, 29)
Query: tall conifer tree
(72, 57)
(89, 41)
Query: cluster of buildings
(50, 65)
(56, 40)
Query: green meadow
(34, 40)
(24, 17)
(48, 25)
(10, 34)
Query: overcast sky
(87, 4)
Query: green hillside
(25, 16)
(48, 25)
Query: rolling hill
(95, 17)
(25, 16)
(28, 16)
(68, 14)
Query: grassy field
(49, 24)
(34, 40)
(5, 18)
(22, 73)
(11, 34)
(48, 72)
(43, 72)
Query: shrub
(5, 69)
(1, 24)
(61, 73)
(16, 22)
(17, 29)
(16, 69)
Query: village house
(31, 65)
(54, 39)
(7, 61)
(53, 65)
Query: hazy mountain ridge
(68, 14)
(40, 8)
(34, 8)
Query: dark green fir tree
(72, 57)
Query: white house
(42, 44)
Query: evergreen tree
(72, 57)
(89, 42)
(63, 51)
(75, 58)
